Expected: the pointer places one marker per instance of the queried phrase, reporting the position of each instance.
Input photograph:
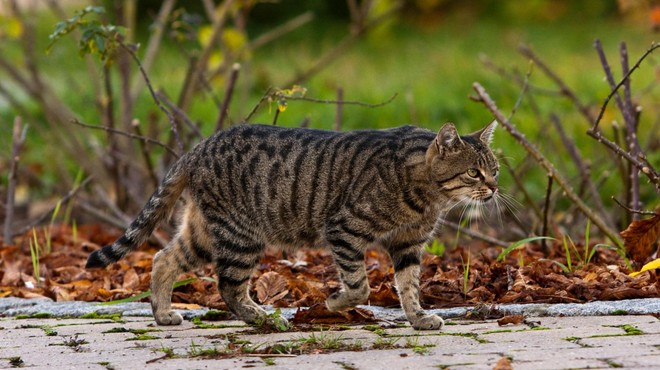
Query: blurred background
(297, 59)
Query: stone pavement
(131, 342)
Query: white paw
(168, 318)
(428, 322)
(336, 302)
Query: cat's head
(464, 167)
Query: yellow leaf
(233, 39)
(655, 264)
(10, 27)
(204, 35)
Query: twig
(563, 88)
(180, 113)
(344, 102)
(235, 69)
(201, 63)
(254, 110)
(18, 138)
(632, 124)
(128, 134)
(281, 30)
(145, 155)
(621, 83)
(472, 233)
(102, 215)
(523, 90)
(154, 96)
(340, 109)
(154, 43)
(641, 164)
(277, 115)
(635, 211)
(581, 167)
(546, 211)
(547, 165)
(44, 216)
(359, 28)
(521, 186)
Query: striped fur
(253, 186)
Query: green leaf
(519, 243)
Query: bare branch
(281, 30)
(546, 164)
(340, 109)
(344, 102)
(641, 164)
(546, 211)
(181, 114)
(63, 201)
(18, 138)
(563, 88)
(228, 94)
(153, 44)
(635, 211)
(582, 167)
(154, 96)
(128, 134)
(622, 82)
(473, 234)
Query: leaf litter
(305, 279)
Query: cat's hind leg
(188, 250)
(348, 252)
(235, 264)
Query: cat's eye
(472, 172)
(496, 172)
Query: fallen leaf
(503, 364)
(319, 314)
(655, 264)
(270, 287)
(510, 319)
(640, 236)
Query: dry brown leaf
(270, 287)
(510, 319)
(640, 236)
(503, 364)
(319, 314)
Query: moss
(497, 331)
(619, 313)
(110, 316)
(38, 315)
(201, 325)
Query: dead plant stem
(18, 138)
(546, 164)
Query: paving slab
(130, 342)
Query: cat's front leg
(406, 260)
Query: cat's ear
(486, 133)
(447, 139)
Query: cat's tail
(157, 209)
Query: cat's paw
(336, 302)
(428, 322)
(168, 318)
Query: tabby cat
(253, 186)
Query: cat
(252, 186)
